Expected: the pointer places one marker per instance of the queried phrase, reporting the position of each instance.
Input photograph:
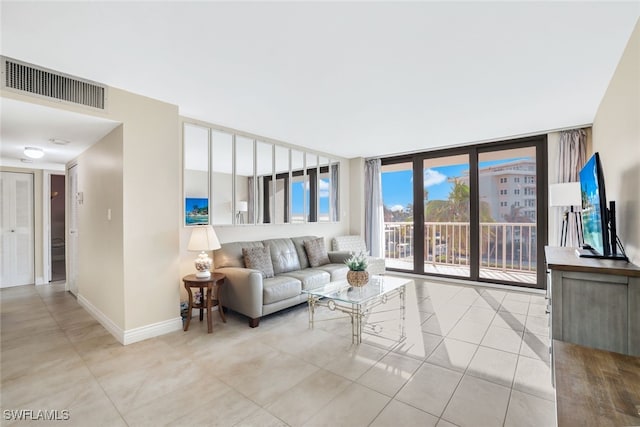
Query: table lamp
(567, 194)
(242, 206)
(203, 239)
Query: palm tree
(455, 210)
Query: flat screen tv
(598, 222)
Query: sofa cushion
(337, 271)
(283, 255)
(280, 288)
(310, 277)
(298, 242)
(230, 254)
(258, 259)
(316, 252)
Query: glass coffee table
(358, 302)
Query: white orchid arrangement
(357, 262)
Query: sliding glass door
(397, 196)
(447, 211)
(481, 215)
(508, 199)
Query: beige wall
(616, 136)
(101, 241)
(151, 203)
(141, 185)
(356, 201)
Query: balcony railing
(504, 246)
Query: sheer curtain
(373, 208)
(573, 154)
(572, 157)
(334, 195)
(251, 200)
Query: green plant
(357, 262)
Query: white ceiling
(351, 79)
(31, 125)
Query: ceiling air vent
(26, 78)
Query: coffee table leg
(356, 323)
(312, 303)
(352, 314)
(360, 316)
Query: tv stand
(594, 302)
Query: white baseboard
(108, 324)
(40, 281)
(153, 330)
(132, 335)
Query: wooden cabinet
(594, 302)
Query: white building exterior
(508, 184)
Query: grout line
(75, 350)
(385, 351)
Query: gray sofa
(246, 291)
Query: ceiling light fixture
(33, 152)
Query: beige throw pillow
(316, 252)
(258, 259)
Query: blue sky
(397, 187)
(297, 192)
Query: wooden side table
(208, 299)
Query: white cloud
(396, 208)
(323, 187)
(433, 177)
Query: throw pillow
(258, 259)
(316, 252)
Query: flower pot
(357, 278)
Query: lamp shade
(565, 194)
(203, 239)
(243, 206)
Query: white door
(16, 222)
(72, 242)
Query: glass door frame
(539, 142)
(473, 151)
(418, 195)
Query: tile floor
(472, 356)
